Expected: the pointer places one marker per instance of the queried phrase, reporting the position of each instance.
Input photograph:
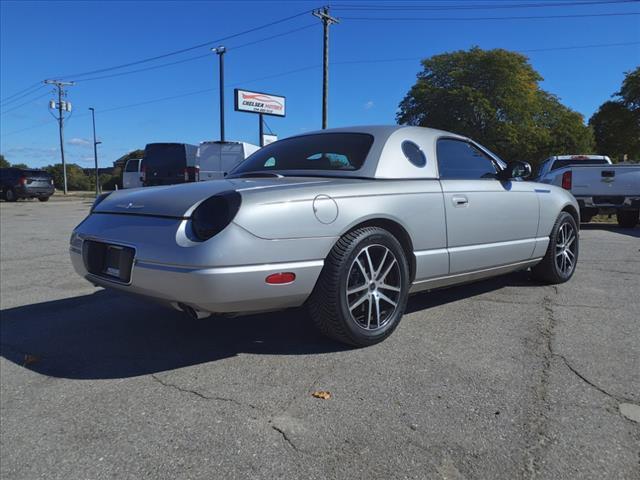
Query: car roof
(381, 130)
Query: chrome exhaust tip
(192, 312)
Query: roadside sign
(267, 139)
(259, 102)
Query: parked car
(349, 221)
(132, 174)
(216, 159)
(169, 163)
(598, 185)
(22, 183)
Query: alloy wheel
(566, 249)
(373, 287)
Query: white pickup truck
(599, 185)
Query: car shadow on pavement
(632, 232)
(112, 335)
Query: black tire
(10, 195)
(627, 218)
(586, 218)
(44, 199)
(549, 270)
(329, 302)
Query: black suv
(19, 183)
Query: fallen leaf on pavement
(322, 394)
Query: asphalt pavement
(503, 379)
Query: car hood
(180, 200)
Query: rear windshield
(35, 174)
(323, 151)
(164, 155)
(565, 163)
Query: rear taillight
(22, 181)
(192, 174)
(566, 180)
(214, 214)
(143, 173)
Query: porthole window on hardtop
(414, 154)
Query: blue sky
(52, 39)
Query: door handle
(460, 201)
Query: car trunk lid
(178, 201)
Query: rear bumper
(33, 192)
(611, 201)
(232, 289)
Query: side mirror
(515, 169)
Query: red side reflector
(280, 278)
(566, 180)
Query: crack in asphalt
(286, 438)
(201, 395)
(619, 398)
(538, 424)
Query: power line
(172, 97)
(346, 62)
(38, 84)
(25, 103)
(20, 97)
(46, 122)
(477, 6)
(187, 49)
(154, 67)
(596, 45)
(311, 25)
(529, 17)
(307, 68)
(197, 57)
(529, 50)
(205, 90)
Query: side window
(132, 166)
(459, 160)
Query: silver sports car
(349, 221)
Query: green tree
(76, 178)
(20, 165)
(494, 97)
(630, 91)
(616, 124)
(132, 154)
(4, 163)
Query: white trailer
(216, 159)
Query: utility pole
(95, 149)
(220, 51)
(261, 130)
(327, 20)
(61, 106)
